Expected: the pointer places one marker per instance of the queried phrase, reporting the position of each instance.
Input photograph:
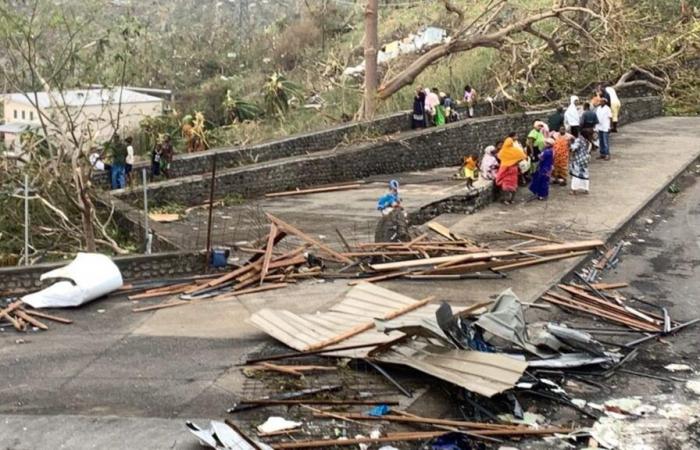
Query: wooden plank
(609, 286)
(290, 229)
(386, 276)
(368, 325)
(625, 320)
(330, 443)
(480, 256)
(164, 217)
(266, 287)
(597, 301)
(534, 262)
(441, 230)
(169, 304)
(267, 257)
(343, 187)
(533, 236)
(48, 317)
(26, 317)
(6, 313)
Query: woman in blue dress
(541, 179)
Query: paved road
(130, 380)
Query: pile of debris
(447, 257)
(488, 350)
(22, 318)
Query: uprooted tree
(51, 48)
(558, 49)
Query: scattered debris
(21, 318)
(678, 368)
(274, 424)
(221, 435)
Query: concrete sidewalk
(178, 363)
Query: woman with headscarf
(578, 162)
(507, 176)
(489, 163)
(572, 118)
(540, 180)
(562, 142)
(535, 140)
(419, 116)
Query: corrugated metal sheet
(362, 304)
(484, 373)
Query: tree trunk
(371, 43)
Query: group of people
(552, 151)
(432, 107)
(121, 157)
(117, 157)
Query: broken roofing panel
(484, 373)
(222, 437)
(361, 305)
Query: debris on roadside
(23, 319)
(447, 257)
(87, 277)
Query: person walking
(615, 107)
(572, 119)
(129, 159)
(578, 163)
(118, 151)
(541, 179)
(604, 115)
(470, 99)
(561, 148)
(556, 120)
(419, 116)
(489, 164)
(167, 153)
(507, 176)
(431, 102)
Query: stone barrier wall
(297, 145)
(136, 267)
(415, 150)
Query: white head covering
(571, 116)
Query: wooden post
(211, 208)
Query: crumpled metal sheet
(88, 277)
(222, 437)
(576, 339)
(486, 374)
(506, 321)
(569, 360)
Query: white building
(95, 113)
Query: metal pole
(26, 219)
(147, 232)
(211, 208)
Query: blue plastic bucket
(218, 258)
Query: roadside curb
(650, 203)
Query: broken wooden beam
(339, 187)
(290, 229)
(368, 325)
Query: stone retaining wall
(297, 145)
(467, 203)
(415, 150)
(136, 267)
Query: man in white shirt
(129, 159)
(615, 106)
(604, 114)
